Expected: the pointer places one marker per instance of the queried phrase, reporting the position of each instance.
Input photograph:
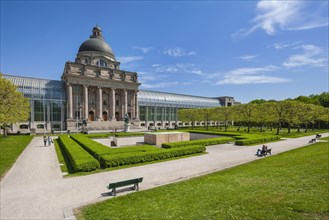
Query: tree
(189, 115)
(14, 107)
(246, 111)
(280, 111)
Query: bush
(256, 140)
(203, 142)
(80, 159)
(94, 148)
(242, 139)
(113, 160)
(115, 134)
(231, 134)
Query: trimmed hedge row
(140, 157)
(80, 159)
(256, 140)
(116, 134)
(231, 134)
(94, 148)
(243, 139)
(127, 149)
(203, 142)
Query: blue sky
(245, 49)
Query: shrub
(231, 134)
(94, 148)
(116, 134)
(113, 160)
(256, 140)
(80, 159)
(203, 142)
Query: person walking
(45, 140)
(50, 140)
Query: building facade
(96, 93)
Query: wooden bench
(134, 182)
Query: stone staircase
(105, 125)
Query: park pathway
(35, 189)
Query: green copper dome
(96, 43)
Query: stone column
(99, 104)
(85, 101)
(112, 104)
(136, 106)
(125, 102)
(133, 106)
(69, 101)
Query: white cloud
(287, 16)
(125, 60)
(145, 77)
(248, 57)
(311, 56)
(178, 52)
(158, 85)
(144, 49)
(279, 46)
(255, 75)
(178, 68)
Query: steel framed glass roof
(38, 88)
(153, 98)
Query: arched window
(40, 126)
(23, 127)
(101, 63)
(56, 126)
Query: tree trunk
(225, 125)
(248, 127)
(278, 128)
(4, 131)
(289, 128)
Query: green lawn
(10, 148)
(292, 185)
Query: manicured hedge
(257, 140)
(80, 159)
(130, 149)
(242, 138)
(94, 148)
(110, 160)
(231, 134)
(203, 142)
(116, 134)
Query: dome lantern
(96, 43)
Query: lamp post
(44, 116)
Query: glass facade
(161, 106)
(48, 102)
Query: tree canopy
(14, 107)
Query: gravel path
(35, 189)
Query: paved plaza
(35, 189)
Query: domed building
(96, 88)
(95, 94)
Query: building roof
(96, 43)
(164, 99)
